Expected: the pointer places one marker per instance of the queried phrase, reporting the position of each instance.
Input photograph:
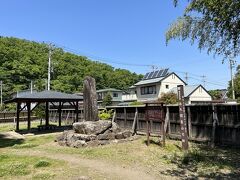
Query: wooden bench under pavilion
(47, 97)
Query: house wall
(199, 95)
(129, 97)
(147, 97)
(172, 81)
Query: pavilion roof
(46, 96)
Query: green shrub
(42, 163)
(105, 114)
(169, 98)
(136, 103)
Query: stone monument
(90, 99)
(92, 131)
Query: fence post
(125, 117)
(166, 123)
(134, 129)
(215, 122)
(114, 115)
(189, 122)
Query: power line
(153, 67)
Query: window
(148, 90)
(115, 94)
(167, 86)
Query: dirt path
(111, 170)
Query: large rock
(92, 127)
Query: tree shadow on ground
(206, 162)
(6, 141)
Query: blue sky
(129, 32)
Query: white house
(155, 83)
(115, 94)
(195, 94)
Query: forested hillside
(22, 61)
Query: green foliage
(216, 94)
(214, 24)
(136, 103)
(107, 99)
(22, 61)
(40, 111)
(169, 98)
(105, 114)
(42, 163)
(236, 81)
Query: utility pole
(203, 80)
(1, 84)
(232, 62)
(186, 77)
(49, 66)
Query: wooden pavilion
(47, 97)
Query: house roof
(188, 90)
(109, 90)
(156, 80)
(149, 81)
(45, 96)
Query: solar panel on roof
(145, 77)
(151, 75)
(159, 73)
(155, 74)
(165, 72)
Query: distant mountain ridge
(22, 61)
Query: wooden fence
(9, 116)
(219, 124)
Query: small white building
(195, 94)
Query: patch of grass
(43, 176)
(25, 145)
(14, 165)
(42, 163)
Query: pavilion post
(59, 114)
(76, 111)
(18, 114)
(47, 114)
(28, 115)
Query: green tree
(169, 98)
(22, 61)
(214, 24)
(236, 82)
(107, 99)
(216, 94)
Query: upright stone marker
(182, 116)
(90, 99)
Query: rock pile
(94, 133)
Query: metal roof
(45, 96)
(148, 81)
(109, 90)
(187, 90)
